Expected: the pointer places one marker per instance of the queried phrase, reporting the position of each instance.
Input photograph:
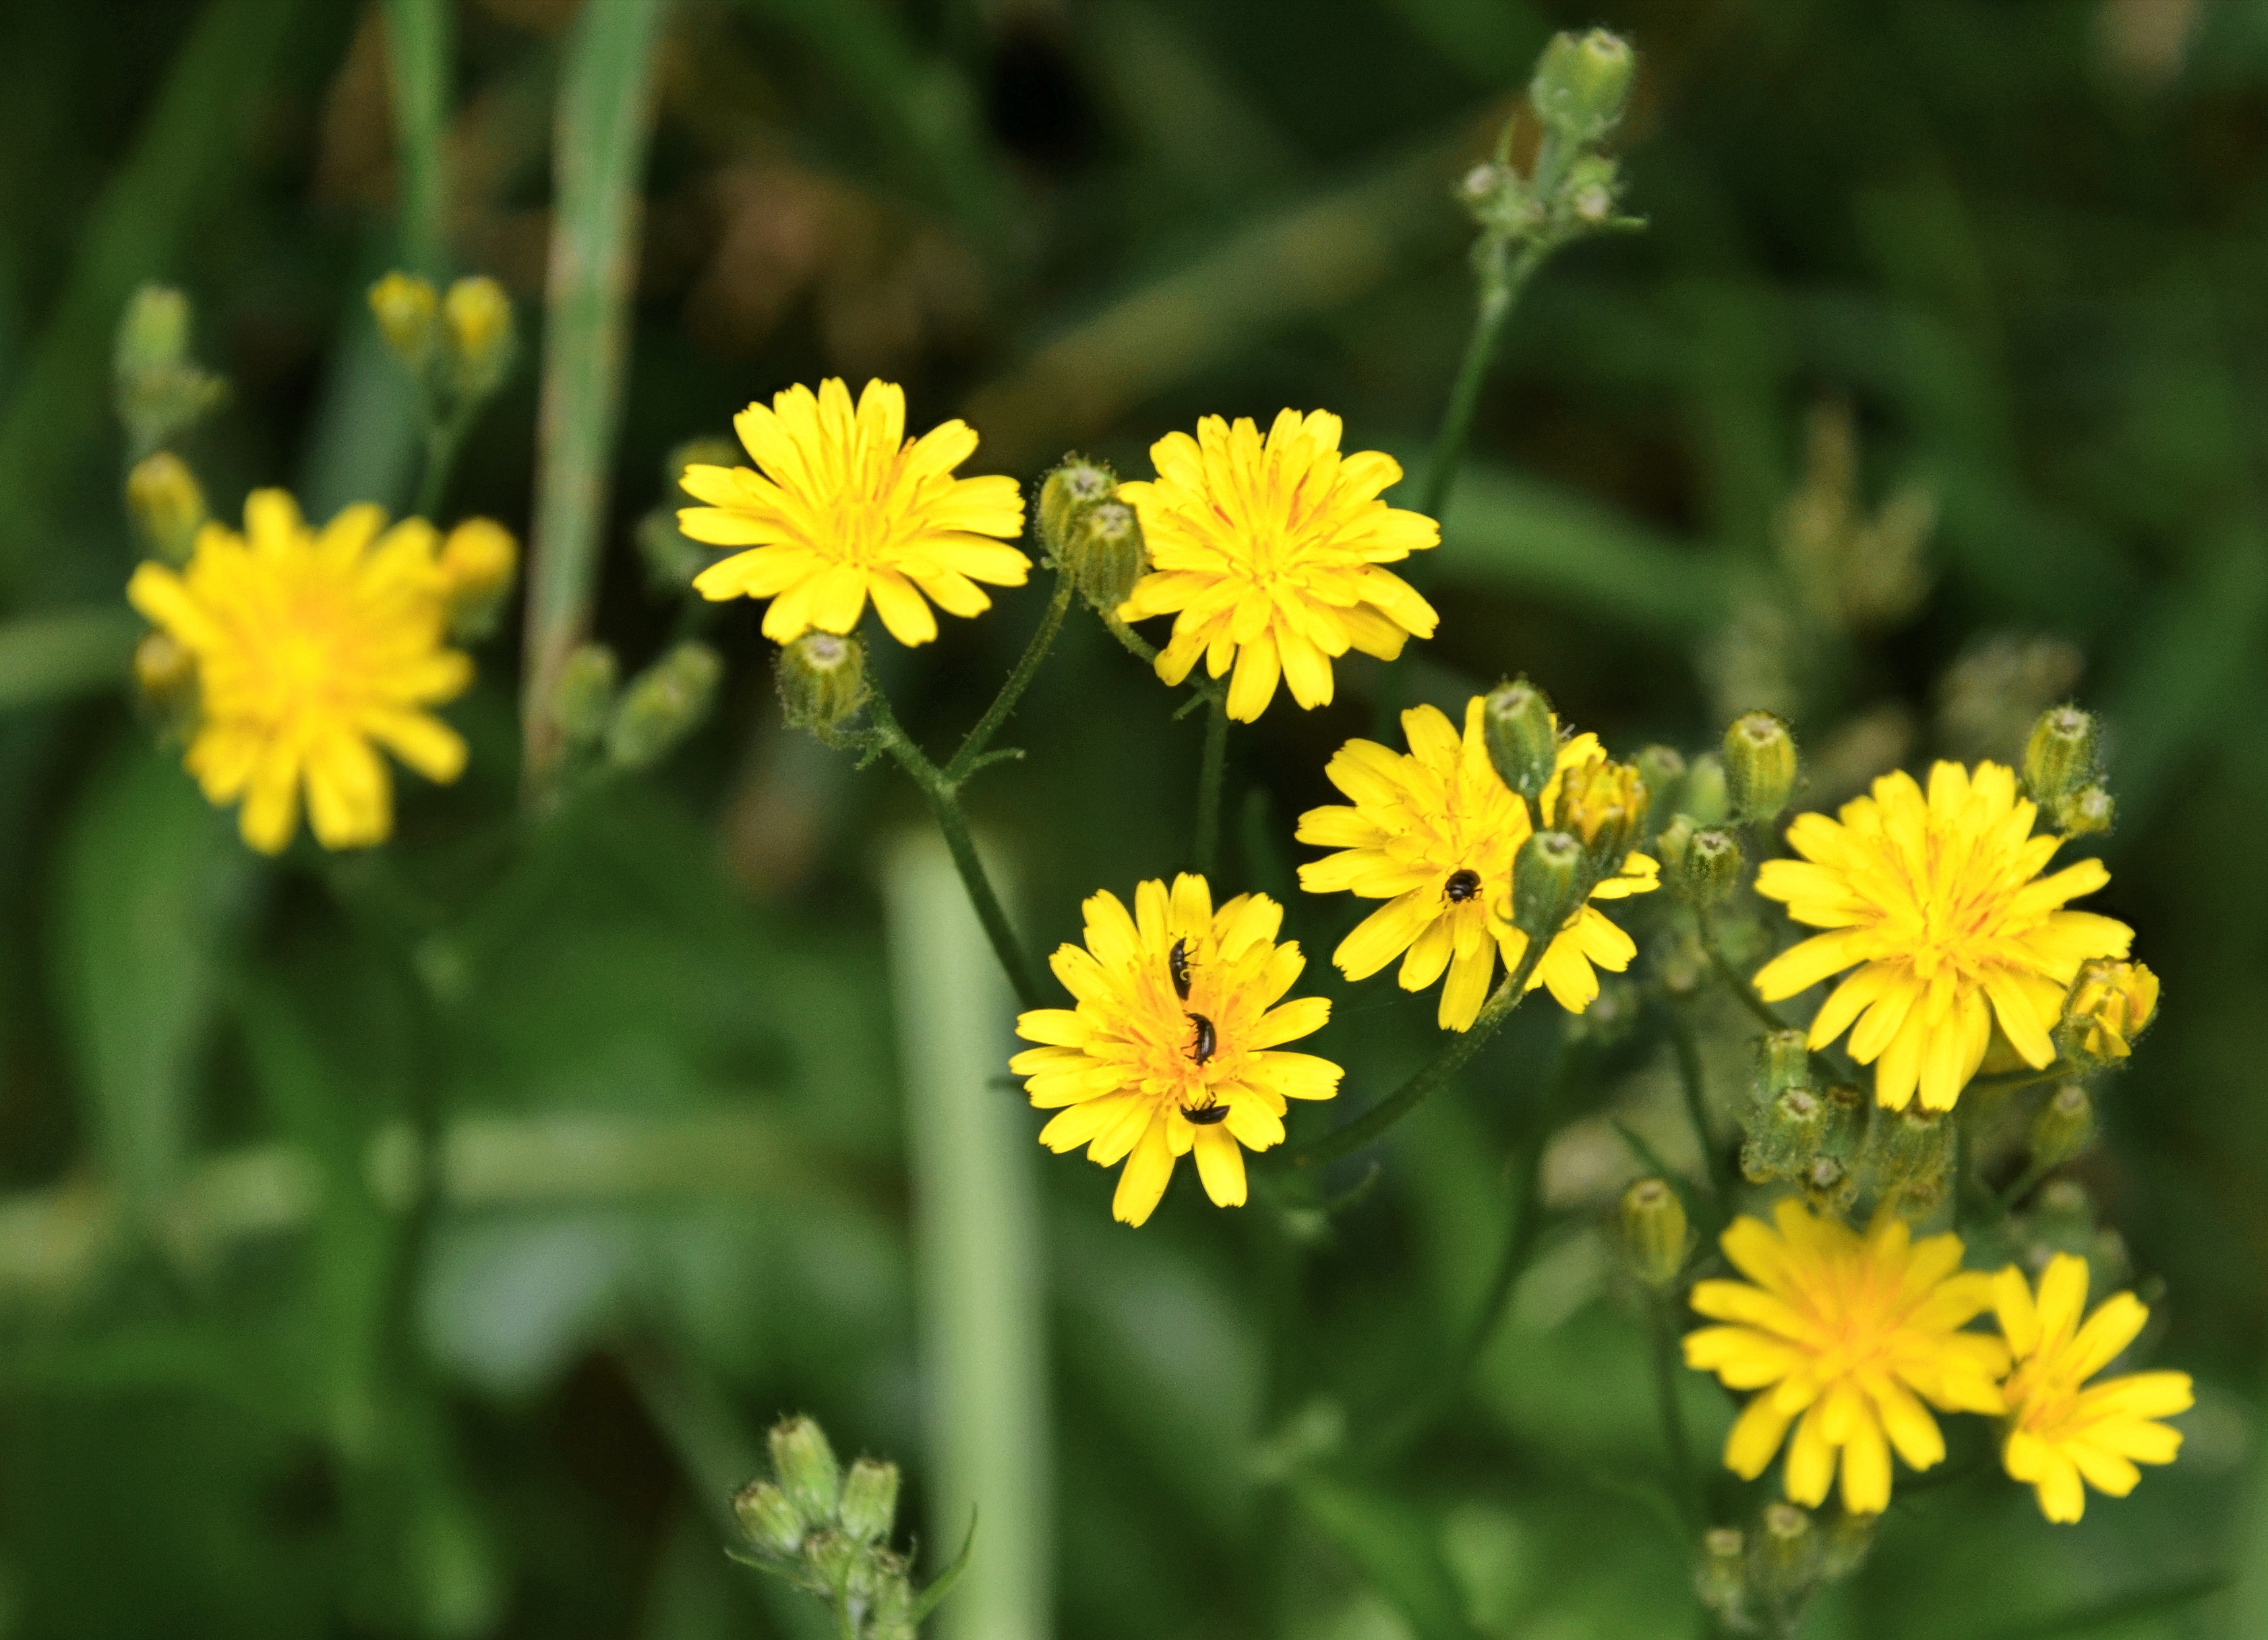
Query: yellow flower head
(1941, 898)
(1433, 833)
(1270, 553)
(1142, 1073)
(1851, 1335)
(847, 507)
(2060, 1434)
(2112, 1004)
(310, 646)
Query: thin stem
(1743, 990)
(1131, 640)
(2022, 1185)
(421, 54)
(442, 437)
(1500, 291)
(1661, 1331)
(1027, 668)
(1209, 782)
(2008, 1081)
(1690, 1077)
(1454, 1055)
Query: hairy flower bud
(1785, 1062)
(406, 307)
(1546, 878)
(2083, 813)
(1581, 84)
(870, 1500)
(1662, 768)
(822, 681)
(806, 1468)
(1711, 868)
(1704, 799)
(1655, 1234)
(1784, 1135)
(2063, 1128)
(478, 317)
(1076, 484)
(1104, 555)
(1604, 804)
(585, 700)
(1786, 1552)
(1759, 765)
(2060, 755)
(663, 705)
(1911, 1153)
(769, 1518)
(167, 504)
(1523, 741)
(478, 561)
(2112, 1003)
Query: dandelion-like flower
(1176, 1042)
(2061, 1430)
(2112, 1004)
(846, 507)
(1434, 832)
(1856, 1337)
(1941, 901)
(1269, 554)
(312, 648)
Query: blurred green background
(1992, 277)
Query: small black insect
(1463, 884)
(1205, 1042)
(1178, 964)
(1206, 1114)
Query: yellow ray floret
(1855, 1337)
(2064, 1435)
(1269, 553)
(311, 649)
(845, 508)
(1433, 833)
(1939, 901)
(1122, 1068)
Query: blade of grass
(600, 141)
(73, 652)
(420, 40)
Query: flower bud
(159, 390)
(1846, 1543)
(1784, 1135)
(1785, 1062)
(769, 1518)
(870, 1500)
(1711, 868)
(806, 1468)
(1545, 881)
(1604, 804)
(153, 332)
(1662, 768)
(1786, 1552)
(891, 1616)
(834, 1559)
(662, 705)
(2083, 813)
(478, 315)
(1704, 798)
(405, 306)
(2112, 1003)
(1759, 765)
(2060, 755)
(1591, 191)
(167, 505)
(166, 675)
(822, 681)
(1655, 1233)
(1076, 484)
(1829, 1185)
(2064, 1126)
(478, 561)
(585, 700)
(1912, 1152)
(1104, 555)
(1671, 845)
(1581, 82)
(1523, 738)
(1720, 1580)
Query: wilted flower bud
(769, 1518)
(2060, 755)
(1655, 1232)
(1704, 799)
(1523, 741)
(586, 701)
(1104, 554)
(478, 315)
(2063, 1128)
(1546, 877)
(806, 1468)
(478, 561)
(870, 1500)
(822, 681)
(167, 505)
(405, 306)
(1759, 765)
(1581, 82)
(2112, 1003)
(1604, 804)
(662, 705)
(2085, 811)
(1711, 868)
(1076, 484)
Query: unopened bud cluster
(2063, 773)
(1797, 1130)
(159, 391)
(1760, 1581)
(1089, 534)
(1581, 84)
(637, 726)
(458, 345)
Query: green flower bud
(160, 390)
(1591, 191)
(870, 1500)
(834, 1559)
(1711, 868)
(406, 307)
(2064, 1126)
(2084, 812)
(1911, 1153)
(891, 1615)
(807, 1471)
(585, 700)
(1523, 740)
(1785, 1062)
(1546, 879)
(166, 678)
(1721, 1579)
(2060, 755)
(769, 1518)
(1655, 1235)
(1581, 82)
(1671, 846)
(1662, 768)
(822, 681)
(1104, 555)
(663, 705)
(1076, 484)
(1704, 799)
(153, 332)
(1787, 1552)
(1845, 1544)
(1784, 1135)
(1759, 765)
(167, 505)
(1828, 1185)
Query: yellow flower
(1124, 1067)
(1270, 552)
(2112, 1004)
(2060, 1434)
(309, 647)
(1853, 1336)
(1942, 899)
(1433, 833)
(846, 507)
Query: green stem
(2022, 1185)
(419, 54)
(442, 437)
(1690, 1077)
(1501, 286)
(1661, 1331)
(1131, 640)
(1027, 668)
(1209, 782)
(1743, 990)
(1454, 1055)
(2008, 1081)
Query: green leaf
(50, 657)
(1396, 1547)
(942, 1586)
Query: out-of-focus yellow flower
(312, 648)
(847, 507)
(1433, 833)
(1853, 1335)
(405, 306)
(1941, 898)
(2112, 1004)
(2063, 1432)
(1176, 1043)
(479, 560)
(478, 315)
(1269, 554)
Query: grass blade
(420, 41)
